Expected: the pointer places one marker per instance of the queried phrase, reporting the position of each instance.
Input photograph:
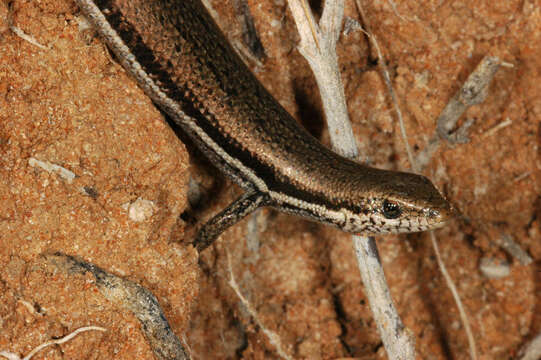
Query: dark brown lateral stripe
(159, 73)
(178, 55)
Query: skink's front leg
(244, 205)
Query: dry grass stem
(497, 128)
(388, 83)
(274, 339)
(396, 12)
(11, 356)
(17, 31)
(451, 285)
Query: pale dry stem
(274, 339)
(20, 33)
(318, 46)
(415, 168)
(11, 356)
(451, 285)
(388, 83)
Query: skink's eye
(391, 210)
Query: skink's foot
(235, 212)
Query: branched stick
(474, 91)
(318, 46)
(131, 296)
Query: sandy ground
(72, 106)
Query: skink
(183, 62)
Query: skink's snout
(442, 214)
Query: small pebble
(140, 210)
(494, 268)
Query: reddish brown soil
(72, 105)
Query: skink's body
(183, 62)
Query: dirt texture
(89, 168)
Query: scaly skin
(182, 60)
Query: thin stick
(415, 168)
(389, 85)
(473, 91)
(274, 339)
(398, 340)
(507, 243)
(395, 10)
(497, 128)
(12, 356)
(451, 285)
(17, 31)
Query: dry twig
(20, 33)
(474, 91)
(389, 84)
(507, 243)
(133, 297)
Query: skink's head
(402, 203)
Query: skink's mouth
(439, 224)
(441, 217)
